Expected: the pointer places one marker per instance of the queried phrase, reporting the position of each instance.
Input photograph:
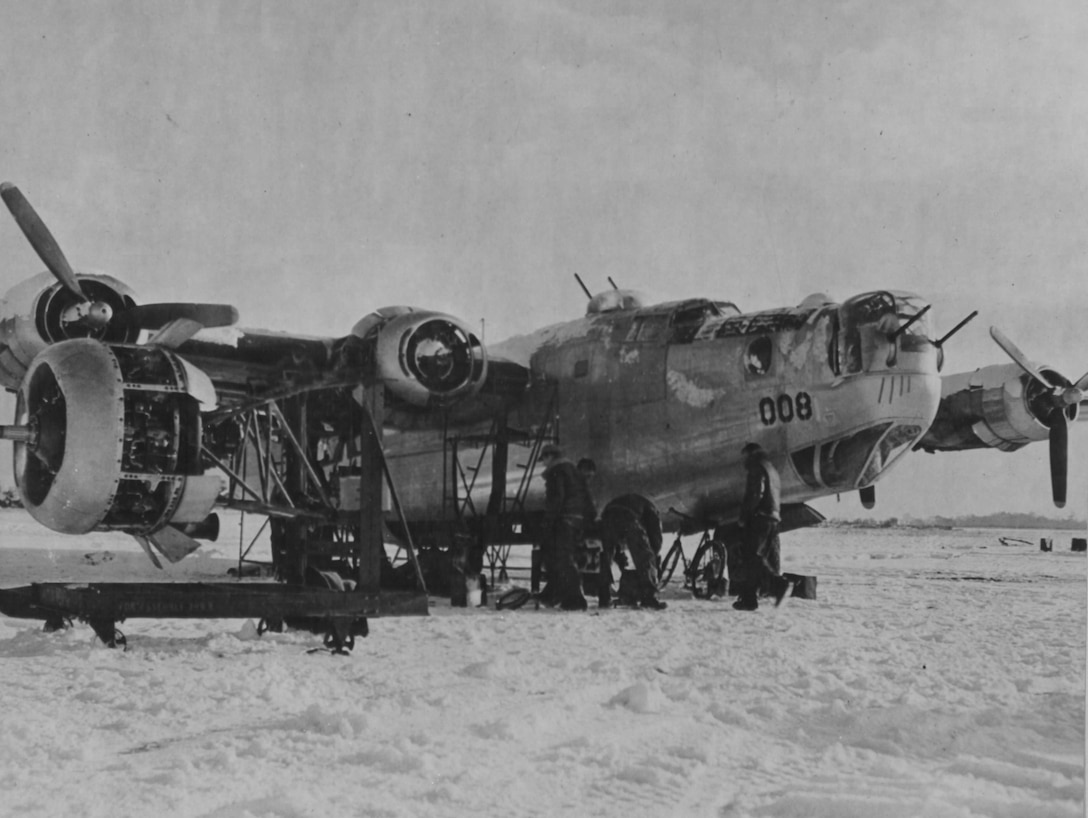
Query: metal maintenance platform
(341, 615)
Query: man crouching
(632, 519)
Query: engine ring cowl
(73, 398)
(32, 317)
(424, 358)
(115, 440)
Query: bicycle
(703, 575)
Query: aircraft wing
(434, 369)
(1006, 407)
(129, 415)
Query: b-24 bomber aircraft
(147, 418)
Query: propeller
(41, 239)
(1051, 402)
(97, 315)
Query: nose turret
(885, 393)
(886, 331)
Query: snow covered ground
(939, 673)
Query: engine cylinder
(115, 440)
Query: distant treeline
(1000, 519)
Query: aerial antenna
(582, 284)
(613, 283)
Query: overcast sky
(310, 162)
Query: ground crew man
(759, 517)
(633, 520)
(566, 506)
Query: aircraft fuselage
(662, 398)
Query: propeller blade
(146, 546)
(174, 334)
(173, 544)
(1059, 457)
(1017, 356)
(40, 238)
(155, 316)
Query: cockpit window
(757, 358)
(677, 323)
(649, 328)
(686, 322)
(727, 308)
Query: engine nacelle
(114, 439)
(424, 358)
(32, 316)
(997, 406)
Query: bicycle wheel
(707, 569)
(668, 565)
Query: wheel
(513, 599)
(707, 569)
(668, 565)
(273, 624)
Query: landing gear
(57, 623)
(106, 630)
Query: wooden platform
(118, 601)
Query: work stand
(313, 465)
(338, 616)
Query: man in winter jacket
(567, 504)
(759, 518)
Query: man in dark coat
(633, 520)
(759, 517)
(566, 505)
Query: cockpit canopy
(679, 322)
